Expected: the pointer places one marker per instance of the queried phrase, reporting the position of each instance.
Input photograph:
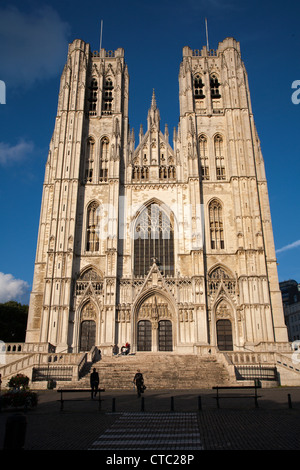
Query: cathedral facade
(166, 247)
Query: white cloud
(12, 289)
(14, 153)
(289, 247)
(32, 45)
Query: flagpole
(101, 38)
(207, 45)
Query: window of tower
(93, 97)
(154, 239)
(204, 162)
(216, 226)
(104, 157)
(107, 96)
(198, 87)
(214, 87)
(219, 156)
(89, 161)
(93, 228)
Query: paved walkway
(163, 422)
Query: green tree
(13, 322)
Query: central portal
(154, 325)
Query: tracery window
(216, 226)
(204, 162)
(89, 277)
(214, 86)
(89, 161)
(198, 87)
(93, 97)
(154, 239)
(218, 275)
(107, 96)
(219, 157)
(93, 227)
(104, 157)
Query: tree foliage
(13, 322)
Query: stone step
(160, 371)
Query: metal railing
(252, 372)
(61, 373)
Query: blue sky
(34, 38)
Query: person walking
(139, 382)
(94, 380)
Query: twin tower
(168, 247)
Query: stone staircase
(160, 371)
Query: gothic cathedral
(166, 247)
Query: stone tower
(167, 247)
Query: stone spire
(153, 114)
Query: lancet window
(219, 157)
(154, 239)
(107, 96)
(204, 162)
(198, 87)
(93, 227)
(93, 97)
(216, 226)
(214, 86)
(104, 158)
(89, 161)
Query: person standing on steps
(139, 382)
(94, 380)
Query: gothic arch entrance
(224, 335)
(154, 324)
(87, 335)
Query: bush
(19, 382)
(23, 398)
(19, 393)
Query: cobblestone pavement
(163, 421)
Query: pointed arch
(216, 226)
(104, 158)
(219, 156)
(93, 227)
(89, 159)
(198, 87)
(220, 275)
(153, 231)
(214, 86)
(93, 96)
(153, 320)
(89, 276)
(204, 158)
(107, 96)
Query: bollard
(142, 404)
(199, 403)
(172, 403)
(15, 432)
(113, 408)
(289, 401)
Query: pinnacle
(153, 102)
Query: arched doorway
(224, 335)
(165, 337)
(154, 324)
(144, 335)
(87, 335)
(87, 332)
